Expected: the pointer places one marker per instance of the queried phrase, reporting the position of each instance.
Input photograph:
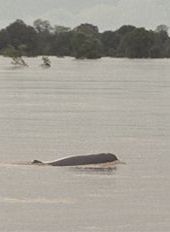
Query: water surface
(80, 107)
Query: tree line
(84, 41)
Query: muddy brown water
(85, 107)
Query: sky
(106, 14)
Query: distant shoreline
(103, 57)
(83, 42)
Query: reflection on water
(85, 107)
(93, 170)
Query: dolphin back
(84, 160)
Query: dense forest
(84, 41)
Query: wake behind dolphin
(105, 159)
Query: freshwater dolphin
(105, 159)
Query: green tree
(122, 31)
(87, 29)
(137, 44)
(160, 47)
(86, 42)
(21, 35)
(110, 42)
(12, 52)
(4, 39)
(45, 36)
(85, 46)
(61, 44)
(61, 29)
(42, 25)
(162, 27)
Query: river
(84, 107)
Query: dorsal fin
(36, 162)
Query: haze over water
(81, 107)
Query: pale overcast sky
(106, 14)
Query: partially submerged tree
(46, 61)
(15, 54)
